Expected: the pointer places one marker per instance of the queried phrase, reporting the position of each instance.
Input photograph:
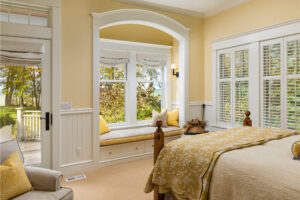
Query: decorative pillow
(13, 178)
(296, 150)
(173, 118)
(103, 126)
(159, 116)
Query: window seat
(135, 134)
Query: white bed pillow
(163, 116)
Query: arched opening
(154, 20)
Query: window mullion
(130, 100)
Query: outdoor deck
(31, 150)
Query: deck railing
(28, 124)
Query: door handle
(47, 118)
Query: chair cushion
(14, 180)
(62, 194)
(135, 134)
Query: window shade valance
(151, 59)
(113, 57)
(21, 53)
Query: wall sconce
(173, 66)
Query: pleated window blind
(271, 83)
(293, 84)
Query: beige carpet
(124, 181)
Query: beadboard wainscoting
(76, 140)
(77, 151)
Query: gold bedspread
(185, 166)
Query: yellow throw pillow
(173, 118)
(13, 179)
(103, 126)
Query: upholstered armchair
(46, 182)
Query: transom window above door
(132, 84)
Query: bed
(260, 167)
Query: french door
(25, 96)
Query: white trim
(129, 43)
(56, 71)
(76, 163)
(196, 103)
(28, 31)
(267, 33)
(76, 111)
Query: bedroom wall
(76, 30)
(249, 16)
(137, 33)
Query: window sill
(126, 126)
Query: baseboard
(106, 163)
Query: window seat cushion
(135, 134)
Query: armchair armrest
(44, 179)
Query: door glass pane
(20, 109)
(112, 101)
(149, 97)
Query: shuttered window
(271, 83)
(233, 86)
(293, 84)
(224, 77)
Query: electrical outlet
(66, 105)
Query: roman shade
(113, 57)
(152, 60)
(21, 53)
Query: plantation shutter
(271, 82)
(21, 53)
(293, 85)
(241, 65)
(224, 87)
(152, 60)
(113, 57)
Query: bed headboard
(159, 140)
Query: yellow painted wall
(249, 16)
(137, 33)
(76, 44)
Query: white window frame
(253, 39)
(130, 92)
(232, 81)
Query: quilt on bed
(185, 166)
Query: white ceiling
(197, 8)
